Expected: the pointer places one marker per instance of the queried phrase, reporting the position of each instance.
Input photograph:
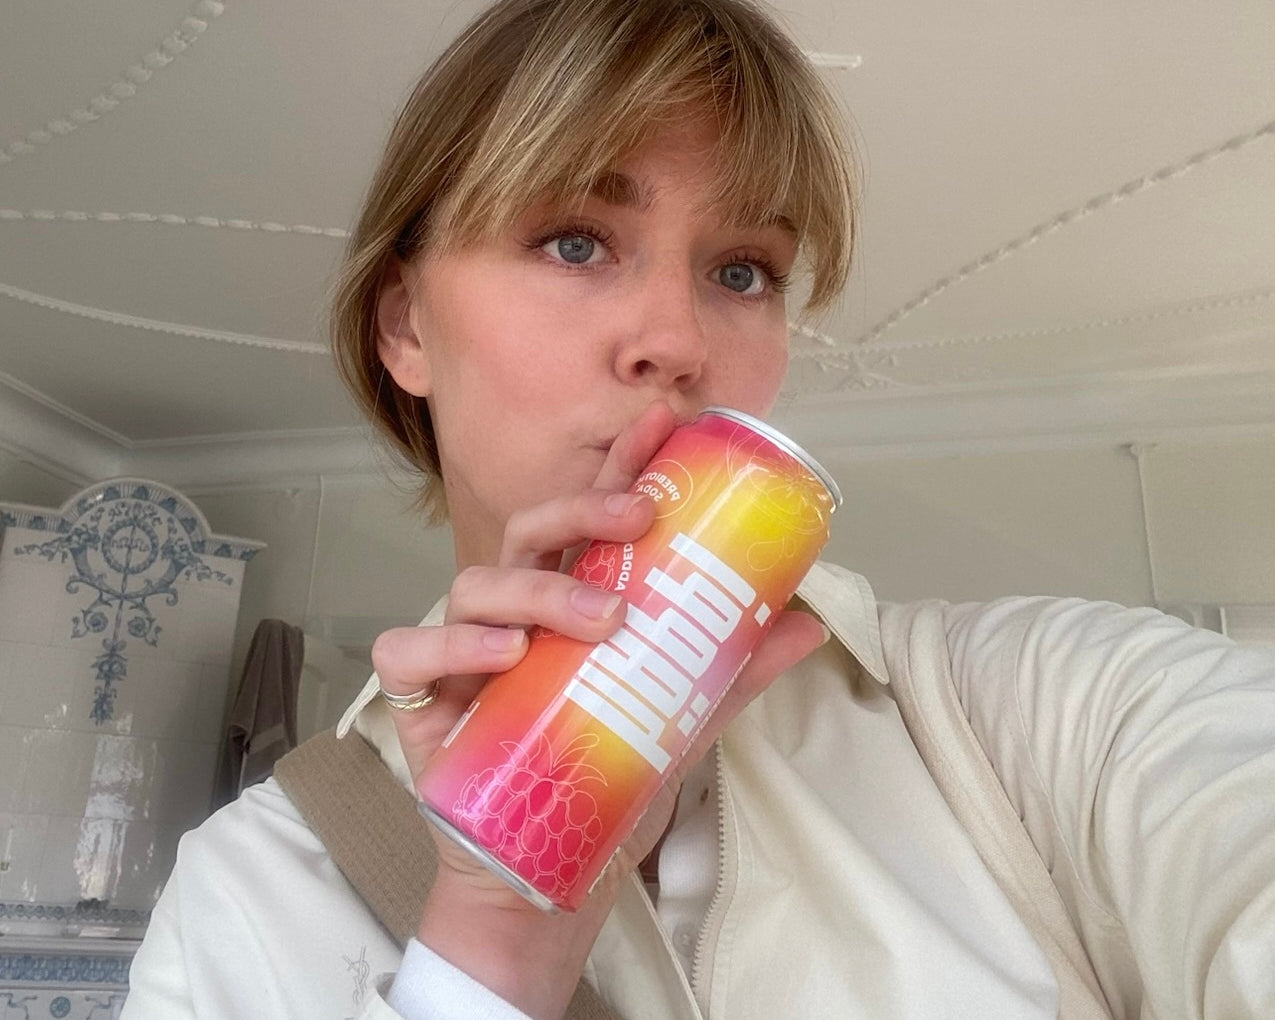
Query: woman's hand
(473, 919)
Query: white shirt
(1136, 750)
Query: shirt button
(684, 938)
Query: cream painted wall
(1211, 517)
(1066, 522)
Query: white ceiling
(1067, 229)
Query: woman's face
(536, 348)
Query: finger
(407, 659)
(525, 597)
(635, 446)
(457, 659)
(535, 536)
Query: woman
(580, 234)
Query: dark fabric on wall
(262, 724)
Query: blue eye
(741, 277)
(574, 248)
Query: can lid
(784, 443)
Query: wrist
(530, 958)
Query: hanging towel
(262, 725)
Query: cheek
(502, 354)
(754, 370)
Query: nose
(664, 342)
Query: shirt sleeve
(157, 975)
(427, 987)
(1140, 753)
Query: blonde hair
(539, 98)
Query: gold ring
(423, 698)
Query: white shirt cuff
(427, 987)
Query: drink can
(550, 768)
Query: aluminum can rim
(783, 442)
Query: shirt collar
(843, 600)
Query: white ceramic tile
(67, 610)
(13, 766)
(99, 857)
(167, 699)
(57, 881)
(183, 783)
(67, 1003)
(58, 766)
(23, 841)
(207, 624)
(29, 590)
(139, 649)
(213, 704)
(122, 778)
(132, 695)
(145, 866)
(142, 868)
(85, 686)
(37, 689)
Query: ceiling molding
(1222, 335)
(30, 393)
(1087, 411)
(157, 325)
(1162, 313)
(168, 219)
(53, 438)
(56, 439)
(1105, 200)
(253, 460)
(125, 87)
(835, 61)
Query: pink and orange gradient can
(548, 771)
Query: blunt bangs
(590, 88)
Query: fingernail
(827, 634)
(620, 503)
(592, 602)
(505, 639)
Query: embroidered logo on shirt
(360, 968)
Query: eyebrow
(615, 188)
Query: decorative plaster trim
(1079, 411)
(125, 87)
(67, 445)
(836, 61)
(157, 325)
(168, 219)
(1063, 219)
(840, 357)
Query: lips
(681, 418)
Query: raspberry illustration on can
(548, 771)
